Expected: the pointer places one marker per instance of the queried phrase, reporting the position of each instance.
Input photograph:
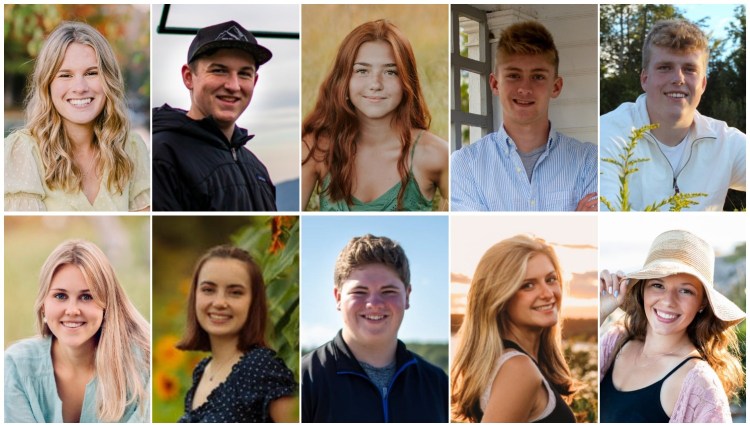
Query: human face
(674, 83)
(72, 314)
(375, 87)
(524, 85)
(536, 304)
(372, 301)
(76, 89)
(222, 298)
(221, 86)
(672, 302)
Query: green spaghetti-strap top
(413, 199)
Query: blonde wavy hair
(111, 127)
(123, 349)
(715, 339)
(498, 277)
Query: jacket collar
(507, 145)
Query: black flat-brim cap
(227, 35)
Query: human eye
(236, 292)
(512, 76)
(552, 279)
(360, 70)
(64, 75)
(538, 77)
(92, 73)
(687, 291)
(391, 72)
(207, 289)
(87, 297)
(656, 285)
(60, 296)
(527, 286)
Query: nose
(679, 77)
(72, 308)
(232, 82)
(376, 81)
(524, 89)
(374, 300)
(80, 85)
(221, 300)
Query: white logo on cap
(232, 33)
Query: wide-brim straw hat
(679, 251)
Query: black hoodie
(195, 168)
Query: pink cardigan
(702, 398)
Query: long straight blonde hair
(498, 277)
(123, 350)
(111, 127)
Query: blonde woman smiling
(91, 360)
(77, 152)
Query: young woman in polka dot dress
(243, 380)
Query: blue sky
(425, 240)
(719, 16)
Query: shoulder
(625, 110)
(718, 128)
(701, 375)
(30, 355)
(516, 370)
(135, 145)
(20, 141)
(702, 397)
(575, 146)
(431, 152)
(618, 124)
(318, 358)
(428, 368)
(477, 149)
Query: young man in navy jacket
(365, 374)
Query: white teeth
(219, 316)
(524, 102)
(666, 316)
(72, 324)
(677, 95)
(372, 317)
(81, 102)
(545, 307)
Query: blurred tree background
(126, 27)
(324, 27)
(30, 240)
(178, 243)
(623, 30)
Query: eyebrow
(69, 70)
(516, 69)
(388, 65)
(66, 291)
(231, 285)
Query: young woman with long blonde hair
(673, 356)
(366, 142)
(76, 151)
(509, 365)
(91, 361)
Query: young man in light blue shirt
(527, 165)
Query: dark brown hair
(254, 330)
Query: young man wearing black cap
(199, 163)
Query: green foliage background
(178, 243)
(30, 240)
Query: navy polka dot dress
(256, 380)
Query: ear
(704, 82)
(408, 292)
(187, 77)
(557, 87)
(494, 84)
(337, 296)
(644, 78)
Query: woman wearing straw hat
(670, 358)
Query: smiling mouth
(72, 325)
(547, 307)
(374, 317)
(523, 102)
(219, 317)
(676, 95)
(229, 99)
(80, 102)
(666, 317)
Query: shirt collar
(507, 144)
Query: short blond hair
(527, 38)
(676, 35)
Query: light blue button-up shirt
(31, 390)
(488, 175)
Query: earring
(44, 319)
(700, 311)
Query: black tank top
(641, 405)
(561, 413)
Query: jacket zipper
(677, 173)
(385, 391)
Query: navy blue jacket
(335, 388)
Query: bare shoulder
(431, 152)
(520, 373)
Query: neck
(671, 130)
(81, 137)
(528, 137)
(528, 339)
(377, 354)
(77, 358)
(376, 132)
(222, 349)
(655, 344)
